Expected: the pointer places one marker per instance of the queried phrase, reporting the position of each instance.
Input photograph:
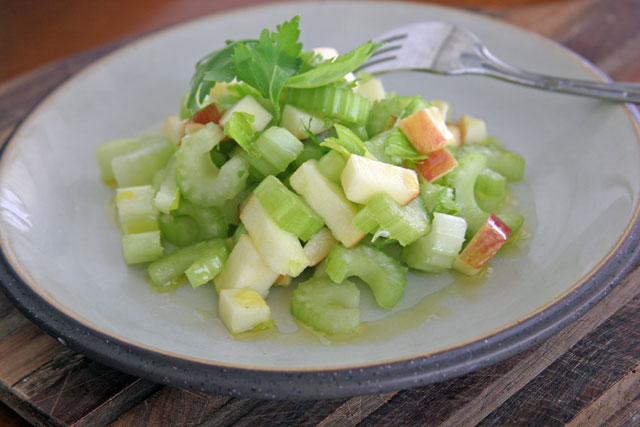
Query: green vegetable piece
(191, 223)
(385, 276)
(267, 64)
(139, 167)
(164, 271)
(438, 198)
(287, 209)
(199, 180)
(110, 150)
(463, 180)
(272, 152)
(506, 163)
(310, 150)
(240, 129)
(377, 145)
(136, 213)
(399, 148)
(327, 306)
(331, 165)
(207, 266)
(341, 103)
(384, 113)
(489, 190)
(334, 70)
(142, 247)
(167, 197)
(347, 143)
(406, 224)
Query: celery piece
(327, 306)
(463, 179)
(199, 180)
(385, 276)
(489, 190)
(207, 266)
(512, 220)
(331, 165)
(437, 250)
(278, 147)
(108, 151)
(359, 129)
(240, 231)
(505, 162)
(136, 213)
(165, 270)
(191, 223)
(365, 221)
(287, 209)
(167, 197)
(341, 103)
(438, 198)
(310, 151)
(376, 146)
(142, 247)
(406, 224)
(385, 112)
(138, 167)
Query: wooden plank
(356, 409)
(606, 408)
(173, 406)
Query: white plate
(64, 267)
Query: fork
(443, 48)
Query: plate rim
(321, 382)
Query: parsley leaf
(267, 64)
(347, 143)
(240, 129)
(331, 71)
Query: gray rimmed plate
(61, 260)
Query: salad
(282, 162)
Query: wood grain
(588, 374)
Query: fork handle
(492, 66)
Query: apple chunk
(472, 129)
(208, 114)
(363, 178)
(437, 164)
(483, 246)
(426, 130)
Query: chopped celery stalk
(191, 223)
(310, 151)
(242, 310)
(300, 123)
(365, 221)
(376, 146)
(359, 129)
(506, 163)
(385, 276)
(168, 196)
(287, 209)
(329, 201)
(278, 147)
(136, 213)
(138, 167)
(245, 268)
(108, 151)
(327, 307)
(241, 230)
(199, 180)
(207, 266)
(331, 165)
(341, 103)
(231, 208)
(165, 270)
(406, 224)
(437, 250)
(142, 247)
(512, 220)
(489, 190)
(438, 198)
(280, 249)
(385, 112)
(463, 179)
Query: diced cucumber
(385, 276)
(287, 209)
(327, 306)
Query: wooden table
(588, 374)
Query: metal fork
(443, 48)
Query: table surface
(587, 374)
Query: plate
(62, 264)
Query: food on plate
(283, 163)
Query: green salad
(282, 160)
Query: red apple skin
(486, 242)
(208, 114)
(422, 132)
(437, 164)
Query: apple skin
(208, 114)
(437, 164)
(426, 130)
(485, 243)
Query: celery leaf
(347, 143)
(240, 129)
